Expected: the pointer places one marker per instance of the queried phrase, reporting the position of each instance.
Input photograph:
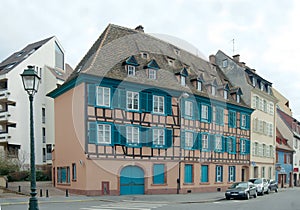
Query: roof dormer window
(130, 64)
(238, 98)
(152, 67)
(182, 80)
(199, 85)
(253, 81)
(177, 51)
(144, 55)
(225, 63)
(261, 86)
(152, 74)
(225, 94)
(213, 90)
(171, 61)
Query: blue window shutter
(234, 144)
(196, 141)
(209, 113)
(204, 173)
(168, 138)
(216, 174)
(182, 107)
(122, 98)
(233, 173)
(145, 137)
(211, 142)
(221, 173)
(182, 139)
(247, 146)
(188, 173)
(158, 174)
(150, 102)
(122, 131)
(247, 122)
(195, 111)
(143, 101)
(116, 134)
(92, 132)
(91, 94)
(115, 97)
(199, 139)
(168, 105)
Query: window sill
(64, 184)
(157, 185)
(204, 183)
(188, 184)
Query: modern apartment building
(142, 116)
(47, 57)
(257, 93)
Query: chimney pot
(212, 59)
(236, 58)
(140, 28)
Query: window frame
(152, 74)
(135, 135)
(159, 99)
(132, 99)
(188, 109)
(131, 70)
(204, 112)
(205, 142)
(183, 80)
(104, 130)
(103, 96)
(161, 138)
(219, 173)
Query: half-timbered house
(142, 116)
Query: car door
(252, 189)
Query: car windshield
(239, 185)
(258, 181)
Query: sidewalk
(12, 197)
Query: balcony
(4, 137)
(5, 119)
(5, 97)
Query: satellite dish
(180, 43)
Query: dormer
(152, 68)
(182, 75)
(212, 87)
(198, 82)
(130, 65)
(236, 94)
(224, 90)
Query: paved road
(285, 200)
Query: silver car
(261, 184)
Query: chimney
(236, 58)
(243, 64)
(139, 28)
(212, 59)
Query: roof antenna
(232, 46)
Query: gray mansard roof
(116, 44)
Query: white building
(47, 56)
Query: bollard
(19, 190)
(47, 194)
(41, 193)
(67, 193)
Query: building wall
(104, 163)
(44, 56)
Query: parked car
(273, 185)
(261, 184)
(241, 190)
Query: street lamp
(31, 81)
(183, 95)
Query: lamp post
(183, 95)
(31, 81)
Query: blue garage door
(132, 181)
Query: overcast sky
(266, 33)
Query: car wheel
(268, 191)
(262, 192)
(276, 190)
(227, 198)
(255, 194)
(247, 196)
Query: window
(188, 111)
(231, 173)
(204, 141)
(232, 119)
(225, 63)
(264, 150)
(271, 151)
(199, 85)
(218, 144)
(188, 173)
(74, 175)
(43, 115)
(204, 112)
(59, 57)
(271, 108)
(238, 98)
(104, 134)
(152, 73)
(158, 104)
(270, 172)
(256, 148)
(265, 105)
(225, 94)
(103, 96)
(130, 70)
(63, 175)
(44, 134)
(132, 100)
(158, 174)
(213, 90)
(158, 137)
(263, 171)
(261, 86)
(219, 115)
(144, 55)
(219, 173)
(132, 135)
(253, 81)
(231, 145)
(189, 141)
(244, 121)
(204, 173)
(243, 146)
(182, 80)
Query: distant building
(47, 56)
(283, 103)
(142, 116)
(257, 93)
(290, 130)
